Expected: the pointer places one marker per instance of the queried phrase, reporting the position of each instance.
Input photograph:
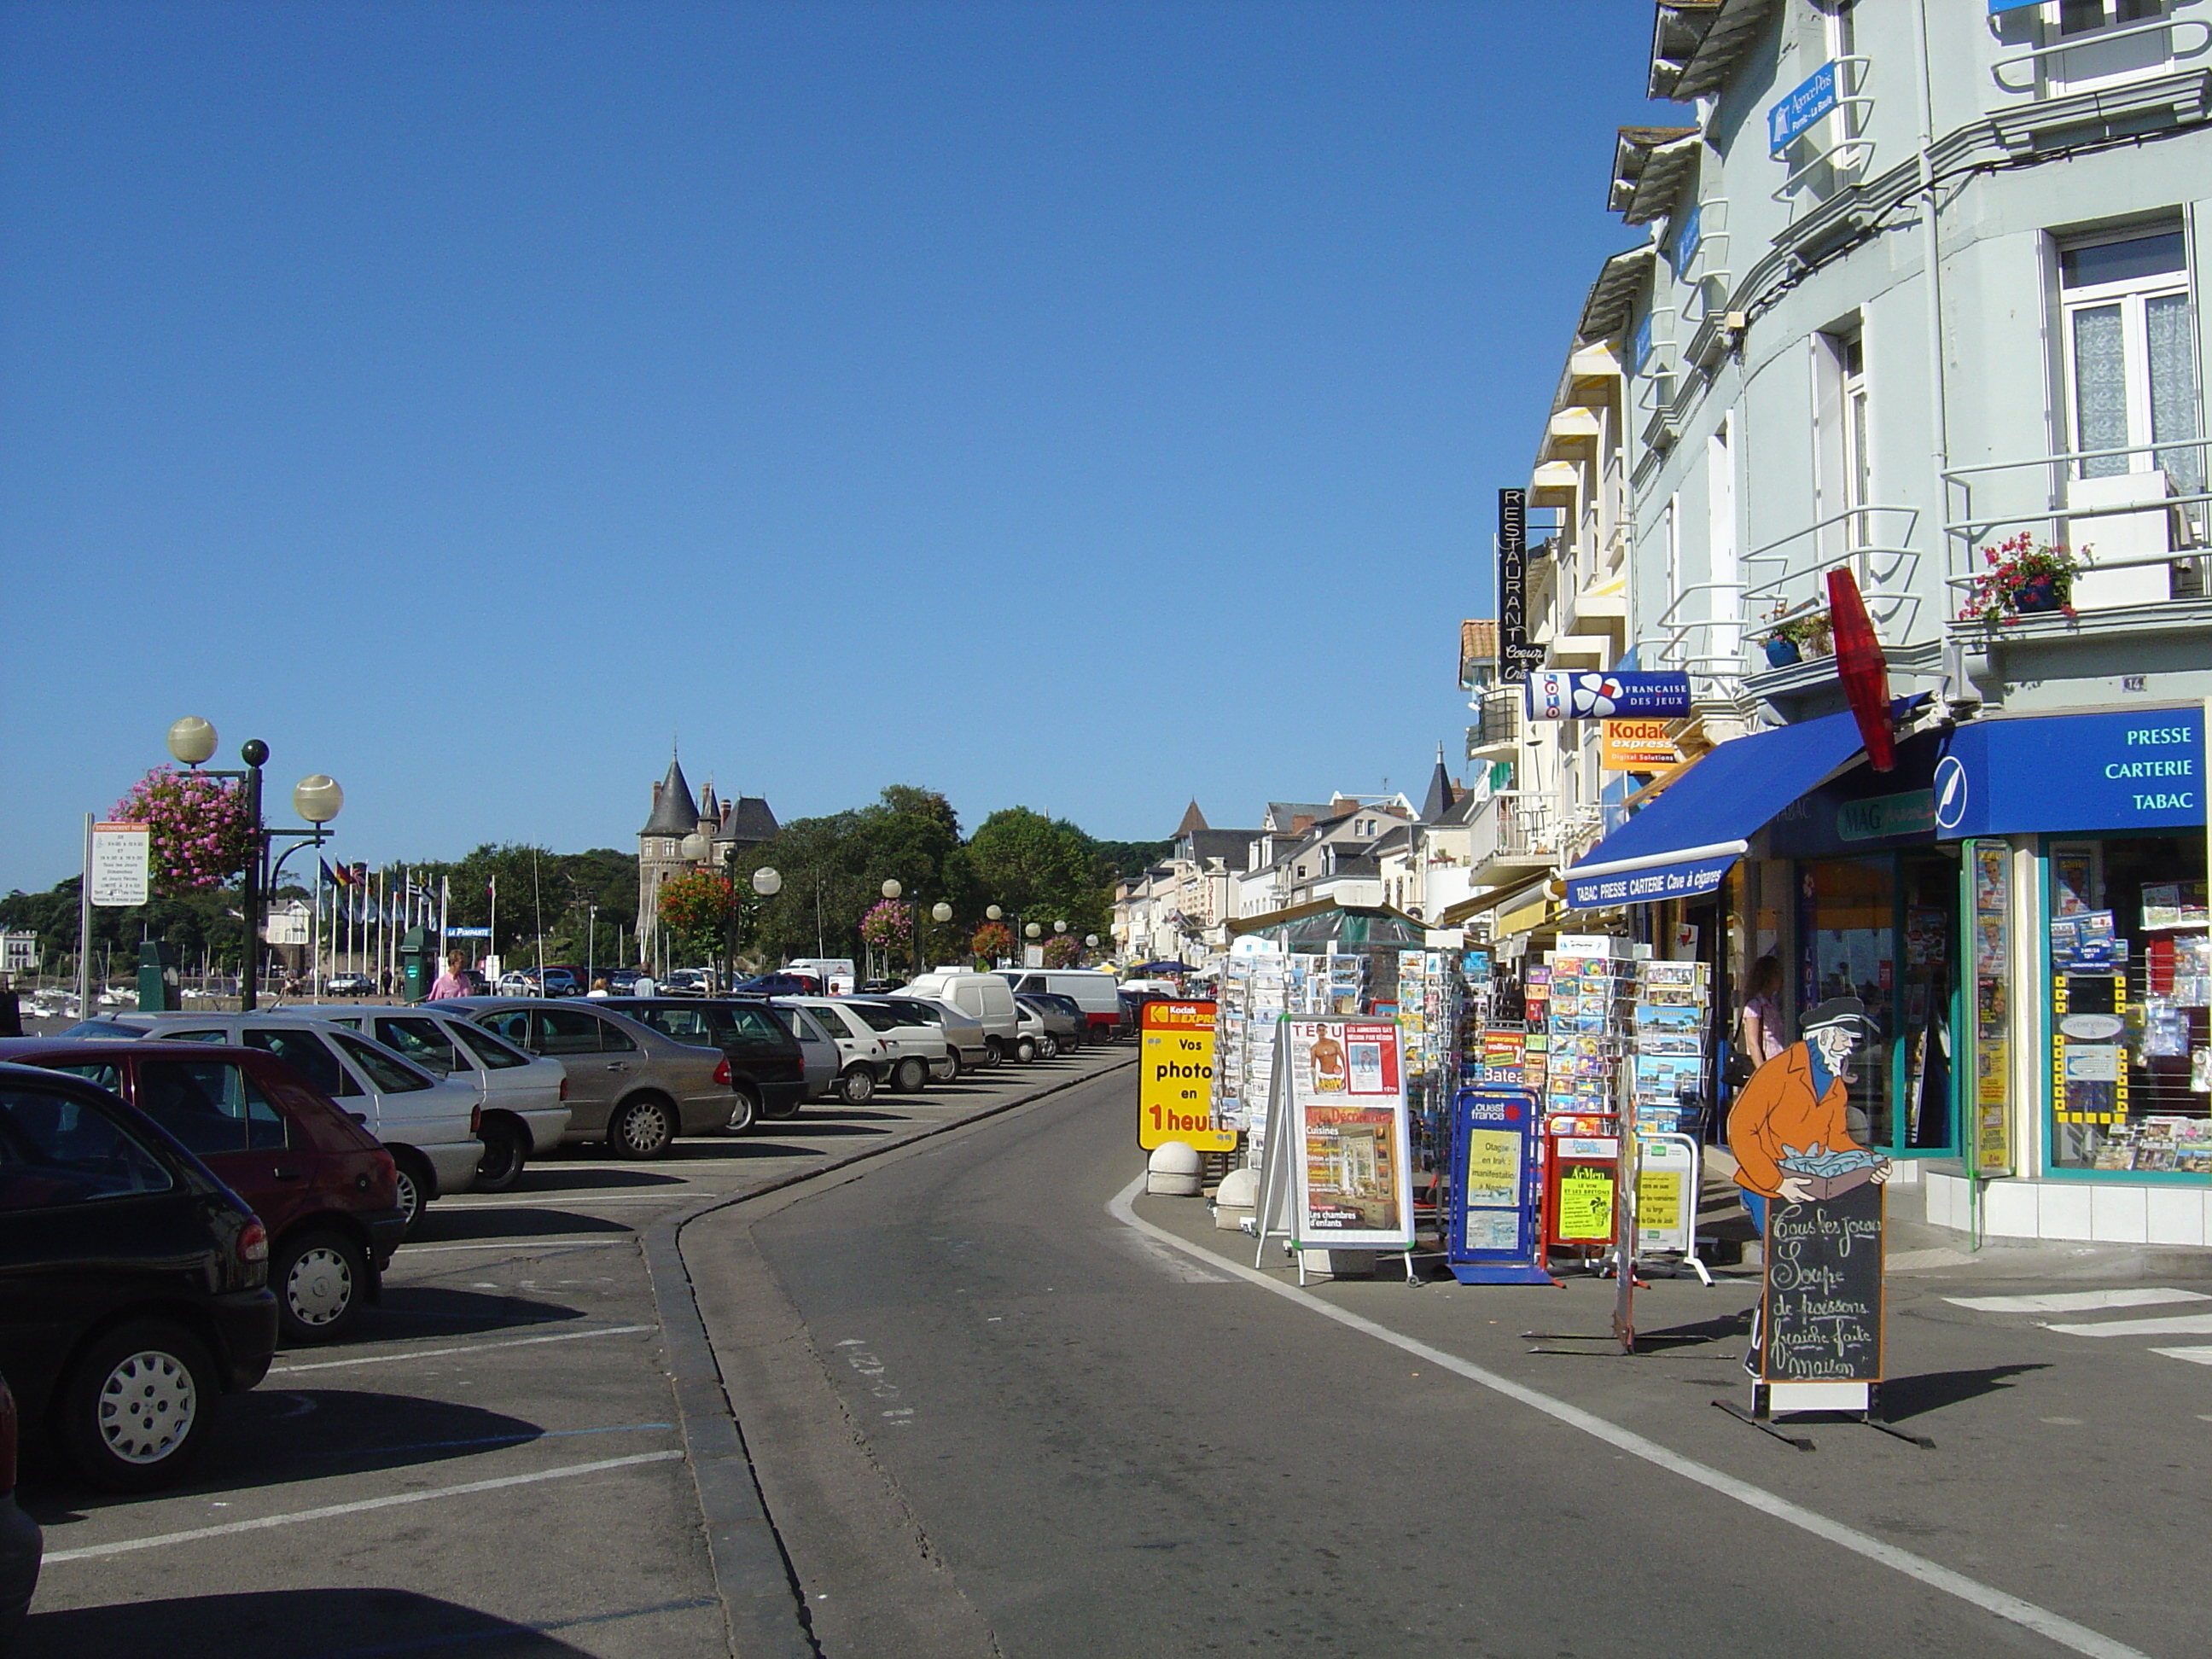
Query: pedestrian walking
(645, 986)
(453, 982)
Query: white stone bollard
(1175, 1171)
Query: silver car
(818, 1049)
(524, 1099)
(628, 1085)
(967, 1046)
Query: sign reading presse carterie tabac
(1175, 1082)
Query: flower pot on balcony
(1780, 654)
(2037, 595)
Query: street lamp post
(941, 912)
(768, 881)
(316, 798)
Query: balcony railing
(2103, 57)
(1497, 721)
(1514, 828)
(2146, 516)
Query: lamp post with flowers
(199, 859)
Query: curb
(762, 1603)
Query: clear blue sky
(1079, 405)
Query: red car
(322, 1187)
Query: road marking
(2194, 1356)
(2077, 1301)
(2181, 1325)
(579, 1201)
(2064, 1631)
(92, 1552)
(523, 1247)
(473, 1347)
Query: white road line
(579, 1201)
(2181, 1325)
(2064, 1631)
(524, 1246)
(123, 1547)
(2194, 1356)
(2077, 1301)
(473, 1347)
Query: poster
(1493, 1169)
(1989, 1123)
(1348, 1105)
(1823, 1313)
(1585, 1211)
(1175, 1079)
(121, 856)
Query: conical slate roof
(1192, 821)
(1440, 797)
(674, 811)
(746, 820)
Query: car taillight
(564, 1086)
(253, 1244)
(475, 1119)
(722, 1072)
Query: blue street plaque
(1811, 99)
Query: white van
(835, 975)
(983, 997)
(1093, 990)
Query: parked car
(817, 1050)
(835, 975)
(687, 982)
(1060, 1022)
(768, 1072)
(427, 1124)
(351, 985)
(966, 1046)
(128, 1272)
(984, 997)
(1092, 990)
(523, 1100)
(621, 982)
(920, 1052)
(327, 1193)
(553, 980)
(628, 1085)
(777, 985)
(864, 1058)
(22, 1546)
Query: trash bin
(419, 963)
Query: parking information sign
(120, 855)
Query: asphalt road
(991, 1417)
(492, 1465)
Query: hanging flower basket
(199, 833)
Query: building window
(1841, 428)
(2130, 343)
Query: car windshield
(387, 1073)
(880, 1017)
(918, 1013)
(497, 1056)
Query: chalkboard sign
(1822, 1321)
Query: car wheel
(135, 1411)
(857, 1083)
(642, 1128)
(947, 1070)
(506, 1148)
(997, 1048)
(744, 1112)
(1049, 1047)
(1025, 1049)
(319, 1278)
(414, 1189)
(910, 1076)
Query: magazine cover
(1348, 1096)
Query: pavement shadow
(543, 1178)
(408, 1310)
(455, 1226)
(1931, 1391)
(300, 1624)
(1721, 1327)
(276, 1434)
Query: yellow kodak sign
(1175, 1079)
(1638, 746)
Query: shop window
(2129, 965)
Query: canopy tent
(1685, 841)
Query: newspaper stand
(1667, 1187)
(1582, 1161)
(1492, 1234)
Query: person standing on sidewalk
(451, 983)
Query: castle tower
(660, 848)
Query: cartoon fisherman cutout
(1788, 1128)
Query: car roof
(107, 1047)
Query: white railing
(1884, 569)
(2039, 59)
(1514, 826)
(2053, 478)
(1707, 281)
(1849, 153)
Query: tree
(1040, 869)
(695, 908)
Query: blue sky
(1083, 406)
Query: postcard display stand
(1674, 1007)
(1431, 1001)
(1255, 993)
(1588, 995)
(1336, 1170)
(1492, 1231)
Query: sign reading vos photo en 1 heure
(1175, 1079)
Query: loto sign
(1175, 1079)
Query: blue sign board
(1495, 1186)
(1558, 694)
(2068, 773)
(1686, 879)
(1812, 97)
(468, 932)
(1639, 346)
(1687, 230)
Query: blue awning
(1683, 843)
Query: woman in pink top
(451, 983)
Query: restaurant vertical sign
(1515, 656)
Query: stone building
(743, 824)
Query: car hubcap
(146, 1407)
(320, 1287)
(410, 1197)
(644, 1128)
